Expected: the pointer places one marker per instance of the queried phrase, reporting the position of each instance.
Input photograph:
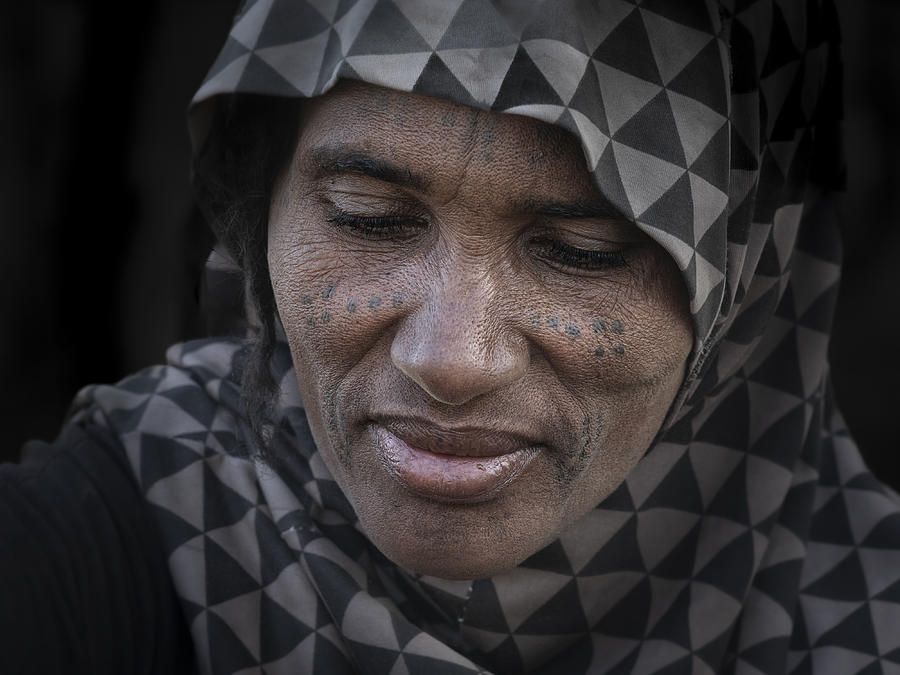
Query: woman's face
(484, 348)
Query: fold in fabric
(750, 538)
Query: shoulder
(199, 381)
(82, 566)
(167, 417)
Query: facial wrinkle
(473, 141)
(578, 450)
(336, 427)
(585, 401)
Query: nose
(457, 346)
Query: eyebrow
(338, 159)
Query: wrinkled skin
(461, 312)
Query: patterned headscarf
(749, 539)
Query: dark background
(100, 249)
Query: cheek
(336, 324)
(335, 310)
(330, 318)
(626, 338)
(337, 315)
(621, 356)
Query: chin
(467, 541)
(451, 562)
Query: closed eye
(396, 227)
(563, 256)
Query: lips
(459, 465)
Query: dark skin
(473, 276)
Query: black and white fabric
(750, 539)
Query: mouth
(454, 466)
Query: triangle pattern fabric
(516, 608)
(280, 58)
(480, 71)
(249, 23)
(587, 129)
(748, 530)
(371, 40)
(430, 20)
(372, 68)
(623, 94)
(660, 176)
(649, 126)
(601, 20)
(525, 84)
(562, 65)
(287, 23)
(436, 76)
(673, 44)
(477, 24)
(627, 48)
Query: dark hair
(250, 140)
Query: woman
(542, 391)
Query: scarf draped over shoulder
(750, 538)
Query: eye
(379, 227)
(570, 258)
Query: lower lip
(449, 478)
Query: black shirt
(85, 586)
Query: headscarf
(749, 539)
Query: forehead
(441, 140)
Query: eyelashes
(556, 252)
(551, 250)
(379, 227)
